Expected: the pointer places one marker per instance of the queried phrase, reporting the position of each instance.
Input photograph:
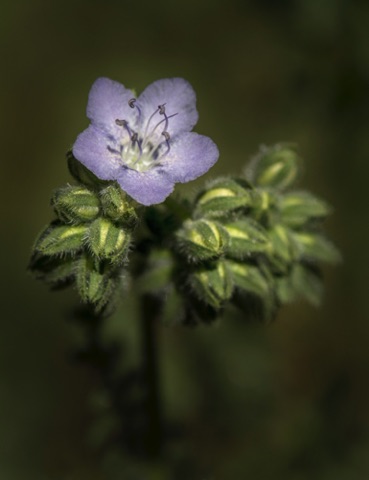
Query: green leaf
(297, 208)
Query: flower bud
(81, 173)
(213, 285)
(246, 237)
(61, 239)
(281, 251)
(223, 196)
(297, 208)
(248, 278)
(303, 281)
(202, 239)
(55, 270)
(93, 286)
(277, 167)
(265, 207)
(315, 247)
(116, 207)
(75, 204)
(107, 240)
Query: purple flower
(144, 143)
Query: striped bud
(265, 207)
(297, 208)
(213, 285)
(202, 239)
(107, 240)
(223, 196)
(248, 278)
(54, 270)
(246, 237)
(93, 286)
(315, 247)
(303, 281)
(281, 251)
(75, 204)
(81, 173)
(277, 167)
(116, 207)
(61, 239)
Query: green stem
(150, 312)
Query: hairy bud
(315, 247)
(202, 239)
(298, 208)
(276, 167)
(94, 286)
(222, 197)
(108, 241)
(246, 237)
(116, 207)
(61, 239)
(75, 204)
(212, 284)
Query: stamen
(135, 141)
(162, 109)
(167, 138)
(133, 104)
(148, 123)
(161, 121)
(124, 124)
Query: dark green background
(289, 401)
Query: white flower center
(144, 150)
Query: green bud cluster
(253, 241)
(255, 244)
(89, 241)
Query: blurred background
(287, 401)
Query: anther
(162, 109)
(132, 102)
(134, 137)
(121, 123)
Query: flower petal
(91, 149)
(108, 101)
(179, 98)
(190, 156)
(147, 188)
